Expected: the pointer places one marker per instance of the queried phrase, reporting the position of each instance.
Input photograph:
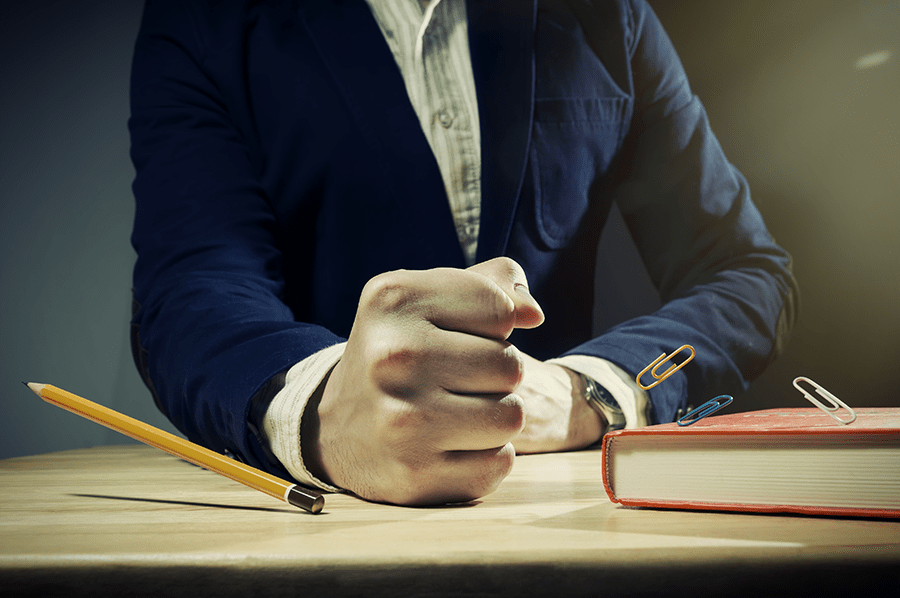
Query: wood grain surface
(131, 520)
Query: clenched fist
(421, 408)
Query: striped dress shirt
(430, 44)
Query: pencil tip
(35, 387)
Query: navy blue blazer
(280, 165)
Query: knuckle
(392, 358)
(397, 359)
(494, 470)
(503, 463)
(507, 269)
(499, 310)
(511, 368)
(406, 423)
(501, 265)
(509, 415)
(390, 292)
(413, 481)
(416, 480)
(509, 266)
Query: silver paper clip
(835, 402)
(659, 361)
(707, 408)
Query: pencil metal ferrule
(308, 500)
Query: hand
(557, 417)
(420, 408)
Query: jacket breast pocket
(574, 143)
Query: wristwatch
(603, 403)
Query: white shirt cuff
(633, 400)
(282, 422)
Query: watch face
(602, 395)
(601, 401)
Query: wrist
(310, 436)
(602, 402)
(290, 412)
(588, 423)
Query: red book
(775, 460)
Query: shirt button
(445, 118)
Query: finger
(448, 298)
(478, 473)
(443, 360)
(466, 364)
(470, 422)
(509, 276)
(454, 477)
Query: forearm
(208, 351)
(726, 286)
(737, 323)
(212, 327)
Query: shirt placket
(447, 122)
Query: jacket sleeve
(210, 328)
(726, 286)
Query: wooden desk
(134, 521)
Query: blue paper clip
(710, 406)
(836, 403)
(659, 361)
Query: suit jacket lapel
(351, 44)
(501, 41)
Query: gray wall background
(65, 218)
(802, 93)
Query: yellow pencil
(194, 453)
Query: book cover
(775, 460)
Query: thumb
(510, 277)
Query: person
(366, 234)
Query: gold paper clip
(707, 408)
(659, 361)
(836, 403)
